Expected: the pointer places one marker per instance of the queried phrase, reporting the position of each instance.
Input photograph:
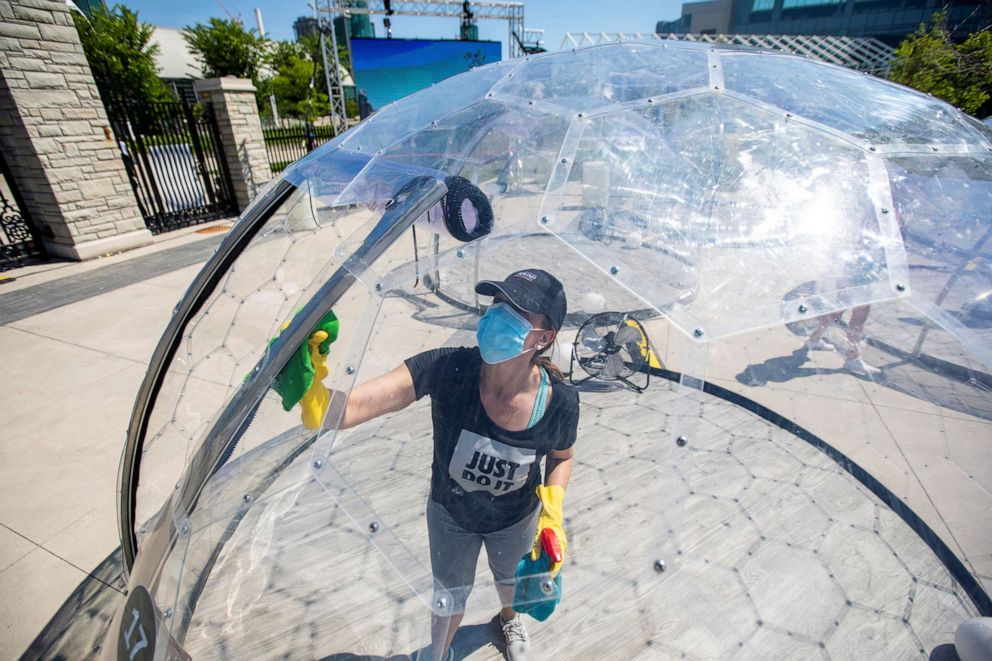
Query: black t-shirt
(482, 474)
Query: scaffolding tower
(325, 11)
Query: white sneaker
(861, 368)
(517, 641)
(819, 344)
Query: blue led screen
(389, 69)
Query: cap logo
(526, 275)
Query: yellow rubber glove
(314, 403)
(552, 516)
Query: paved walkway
(75, 340)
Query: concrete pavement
(75, 340)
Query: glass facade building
(887, 20)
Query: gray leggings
(455, 552)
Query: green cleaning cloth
(296, 377)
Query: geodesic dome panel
(396, 122)
(807, 473)
(603, 77)
(860, 107)
(722, 188)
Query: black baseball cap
(531, 290)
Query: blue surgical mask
(502, 333)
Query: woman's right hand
(315, 401)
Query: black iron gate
(19, 239)
(289, 143)
(174, 160)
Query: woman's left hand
(552, 517)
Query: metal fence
(174, 160)
(19, 239)
(285, 145)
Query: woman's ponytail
(553, 370)
(543, 360)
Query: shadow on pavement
(922, 376)
(76, 631)
(780, 369)
(467, 640)
(945, 652)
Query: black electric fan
(611, 346)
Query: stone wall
(56, 138)
(240, 133)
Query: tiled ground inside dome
(772, 551)
(783, 555)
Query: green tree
(226, 48)
(959, 74)
(120, 53)
(294, 67)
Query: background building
(304, 26)
(887, 20)
(712, 17)
(177, 65)
(359, 25)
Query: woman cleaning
(498, 409)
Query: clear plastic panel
(765, 496)
(708, 525)
(385, 463)
(416, 112)
(488, 143)
(375, 478)
(258, 478)
(943, 205)
(591, 78)
(947, 442)
(768, 543)
(875, 111)
(798, 467)
(225, 340)
(685, 469)
(175, 420)
(273, 435)
(910, 420)
(383, 181)
(493, 142)
(679, 199)
(326, 172)
(295, 577)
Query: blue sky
(556, 16)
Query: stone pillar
(56, 138)
(240, 134)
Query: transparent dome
(798, 468)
